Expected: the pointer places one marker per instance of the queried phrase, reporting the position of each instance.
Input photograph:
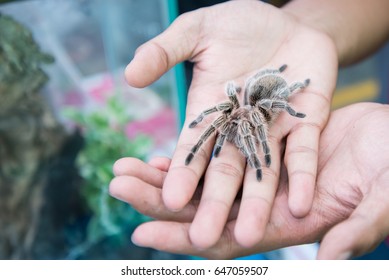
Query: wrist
(301, 11)
(357, 27)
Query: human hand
(350, 206)
(230, 42)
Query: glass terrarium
(80, 118)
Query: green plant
(104, 132)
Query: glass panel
(97, 118)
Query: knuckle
(301, 155)
(270, 173)
(303, 173)
(164, 58)
(301, 149)
(306, 125)
(226, 169)
(201, 153)
(192, 176)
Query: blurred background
(67, 114)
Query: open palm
(350, 205)
(231, 41)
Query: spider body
(266, 95)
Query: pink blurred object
(99, 92)
(161, 127)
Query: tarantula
(266, 95)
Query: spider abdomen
(266, 87)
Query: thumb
(367, 226)
(157, 56)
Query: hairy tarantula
(266, 95)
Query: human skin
(230, 42)
(225, 46)
(350, 204)
(357, 27)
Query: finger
(162, 235)
(301, 154)
(157, 56)
(162, 163)
(367, 226)
(303, 137)
(301, 158)
(257, 200)
(182, 178)
(174, 238)
(223, 179)
(136, 168)
(147, 199)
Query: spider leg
(239, 144)
(259, 121)
(282, 68)
(299, 85)
(225, 106)
(208, 132)
(248, 145)
(232, 90)
(268, 104)
(264, 72)
(221, 138)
